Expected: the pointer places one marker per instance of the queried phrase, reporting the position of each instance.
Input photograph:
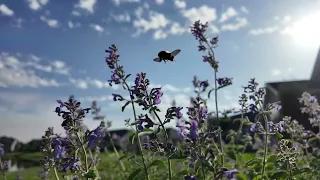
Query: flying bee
(166, 55)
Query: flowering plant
(205, 150)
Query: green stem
(137, 132)
(2, 168)
(265, 145)
(85, 152)
(203, 173)
(55, 173)
(217, 115)
(216, 102)
(166, 139)
(116, 151)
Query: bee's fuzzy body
(166, 55)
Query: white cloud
(40, 67)
(180, 4)
(159, 2)
(244, 9)
(156, 21)
(79, 83)
(276, 72)
(228, 14)
(87, 5)
(118, 2)
(125, 17)
(5, 10)
(51, 22)
(285, 19)
(266, 30)
(37, 4)
(176, 29)
(60, 67)
(15, 73)
(73, 25)
(160, 34)
(203, 13)
(97, 27)
(76, 13)
(240, 23)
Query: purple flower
(198, 30)
(61, 103)
(193, 130)
(231, 173)
(204, 84)
(280, 126)
(224, 82)
(115, 77)
(313, 99)
(203, 112)
(140, 127)
(59, 150)
(2, 152)
(178, 112)
(71, 163)
(253, 127)
(99, 132)
(206, 58)
(180, 132)
(191, 165)
(139, 79)
(112, 58)
(156, 96)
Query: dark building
(289, 92)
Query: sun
(306, 31)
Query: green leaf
(124, 106)
(279, 175)
(241, 176)
(147, 130)
(134, 174)
(158, 163)
(311, 140)
(279, 135)
(253, 162)
(132, 137)
(301, 171)
(231, 154)
(91, 174)
(127, 76)
(259, 177)
(178, 155)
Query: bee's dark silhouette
(166, 55)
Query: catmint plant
(77, 152)
(3, 164)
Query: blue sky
(51, 49)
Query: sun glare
(306, 31)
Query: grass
(109, 167)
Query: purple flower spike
(61, 103)
(157, 95)
(178, 112)
(1, 150)
(193, 130)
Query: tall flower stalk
(198, 30)
(119, 77)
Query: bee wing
(157, 59)
(175, 52)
